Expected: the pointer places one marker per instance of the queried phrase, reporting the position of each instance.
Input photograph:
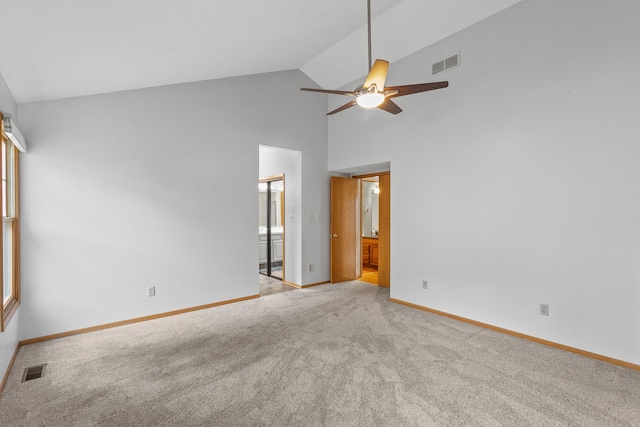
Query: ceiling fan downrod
(369, 31)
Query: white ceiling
(62, 48)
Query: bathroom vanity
(370, 251)
(277, 245)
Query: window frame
(9, 308)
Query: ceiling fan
(373, 93)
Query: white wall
(278, 161)
(518, 184)
(154, 187)
(9, 338)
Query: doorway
(370, 228)
(280, 164)
(271, 227)
(358, 253)
(376, 228)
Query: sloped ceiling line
(72, 48)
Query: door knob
(334, 235)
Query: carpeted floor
(331, 355)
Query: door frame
(384, 236)
(268, 180)
(384, 226)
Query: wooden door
(345, 229)
(384, 233)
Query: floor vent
(446, 64)
(33, 372)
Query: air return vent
(438, 67)
(33, 372)
(446, 64)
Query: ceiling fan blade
(335, 92)
(390, 106)
(417, 88)
(344, 107)
(377, 75)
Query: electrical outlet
(151, 291)
(544, 309)
(425, 284)
(309, 267)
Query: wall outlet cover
(544, 309)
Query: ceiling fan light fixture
(373, 93)
(370, 99)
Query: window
(10, 231)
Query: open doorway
(376, 228)
(370, 228)
(281, 169)
(358, 253)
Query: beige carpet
(332, 355)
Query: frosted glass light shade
(370, 99)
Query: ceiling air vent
(446, 64)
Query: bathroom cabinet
(277, 247)
(369, 252)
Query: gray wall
(518, 184)
(158, 187)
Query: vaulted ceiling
(64, 48)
